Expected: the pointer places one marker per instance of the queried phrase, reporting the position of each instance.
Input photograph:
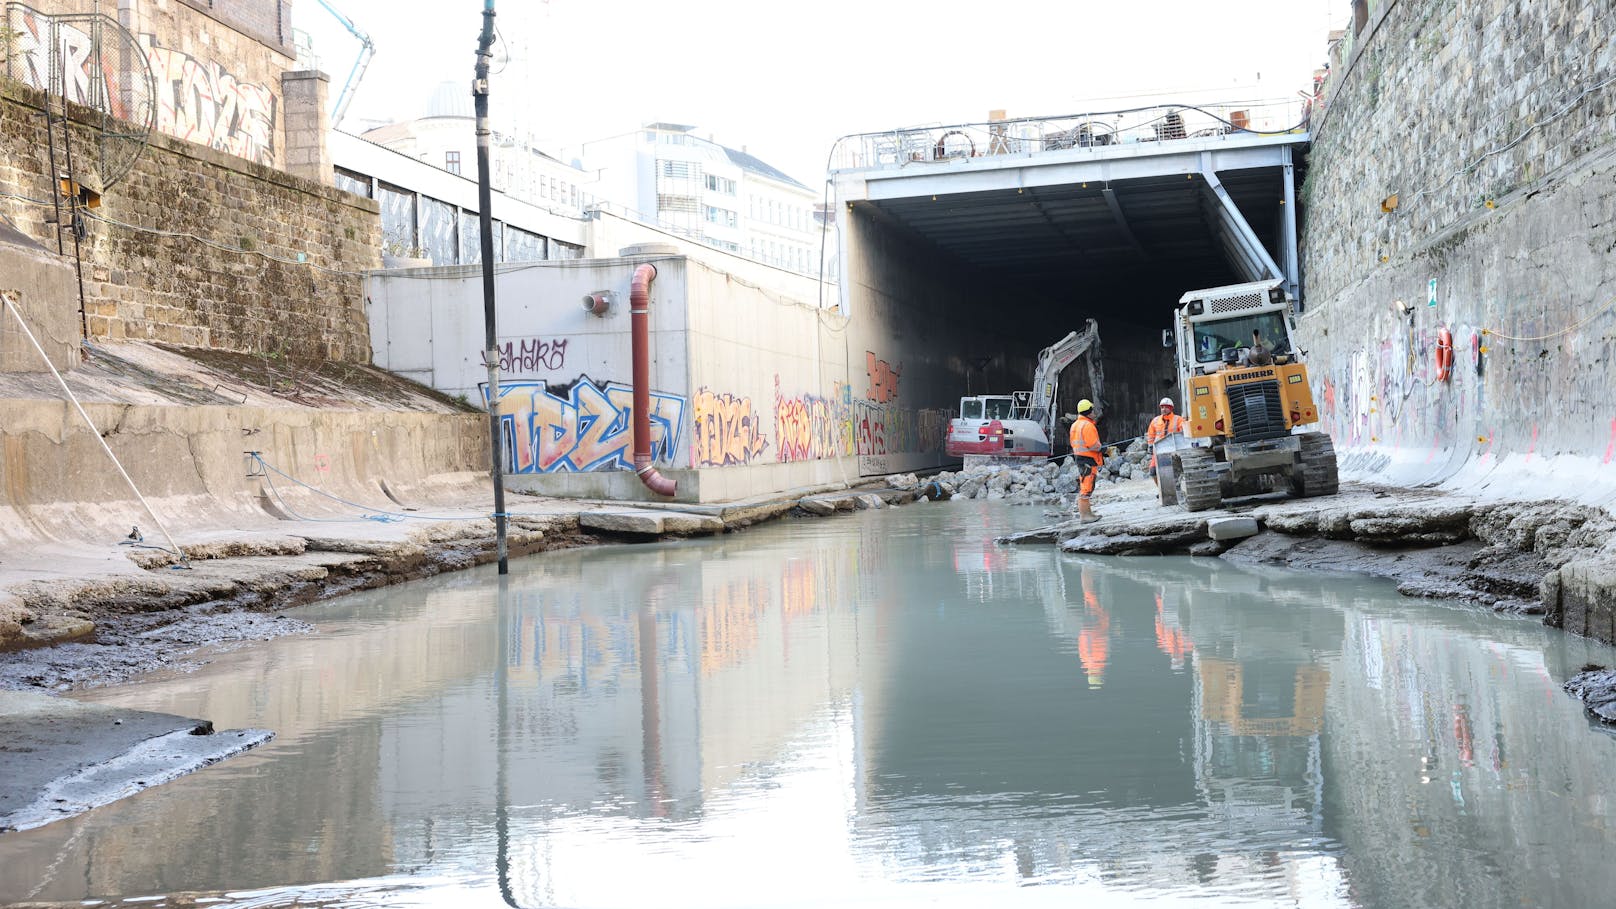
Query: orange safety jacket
(1085, 440)
(1162, 427)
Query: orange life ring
(1444, 355)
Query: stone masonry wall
(216, 65)
(1462, 183)
(1468, 157)
(201, 248)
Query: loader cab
(1237, 326)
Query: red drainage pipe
(639, 308)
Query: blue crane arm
(367, 50)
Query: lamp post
(479, 94)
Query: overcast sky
(786, 78)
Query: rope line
(8, 302)
(1564, 331)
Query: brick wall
(268, 21)
(276, 269)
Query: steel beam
(1245, 249)
(1122, 221)
(1288, 241)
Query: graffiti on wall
(885, 429)
(883, 379)
(83, 79)
(199, 101)
(533, 355)
(726, 431)
(808, 427)
(586, 427)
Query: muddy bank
(1556, 559)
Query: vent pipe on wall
(639, 308)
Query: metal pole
(479, 94)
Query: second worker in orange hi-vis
(1168, 423)
(1085, 439)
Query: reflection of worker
(1094, 640)
(1085, 440)
(1166, 424)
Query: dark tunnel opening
(1122, 252)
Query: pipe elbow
(653, 480)
(640, 288)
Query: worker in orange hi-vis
(1085, 439)
(1165, 424)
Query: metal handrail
(1036, 135)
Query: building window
(451, 161)
(721, 185)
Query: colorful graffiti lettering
(85, 75)
(883, 379)
(886, 430)
(200, 102)
(590, 429)
(726, 431)
(533, 354)
(808, 427)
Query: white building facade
(670, 177)
(446, 138)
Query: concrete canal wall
(1462, 180)
(756, 387)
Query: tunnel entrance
(982, 252)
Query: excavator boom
(1055, 358)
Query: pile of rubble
(1039, 483)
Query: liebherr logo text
(1254, 374)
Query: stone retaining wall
(1466, 169)
(197, 247)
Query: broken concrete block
(817, 506)
(680, 522)
(871, 500)
(622, 521)
(1233, 528)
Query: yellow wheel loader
(1246, 398)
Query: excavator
(1246, 399)
(1017, 428)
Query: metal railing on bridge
(1036, 135)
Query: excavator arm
(1053, 360)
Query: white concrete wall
(754, 390)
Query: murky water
(882, 709)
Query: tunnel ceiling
(1152, 235)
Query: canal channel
(877, 708)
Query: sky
(785, 78)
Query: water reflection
(886, 708)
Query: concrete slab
(679, 522)
(1234, 528)
(63, 757)
(645, 522)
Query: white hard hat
(1166, 402)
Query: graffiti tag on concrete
(589, 429)
(533, 354)
(726, 431)
(808, 427)
(883, 379)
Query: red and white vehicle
(1019, 427)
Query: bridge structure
(1018, 230)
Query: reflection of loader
(1245, 391)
